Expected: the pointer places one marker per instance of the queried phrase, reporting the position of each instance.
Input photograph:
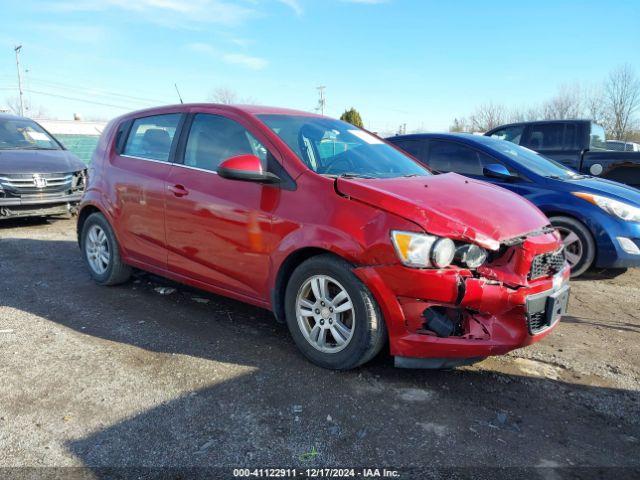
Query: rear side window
(511, 134)
(545, 137)
(151, 137)
(553, 136)
(213, 139)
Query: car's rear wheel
(333, 317)
(579, 246)
(102, 252)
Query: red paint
(243, 163)
(232, 237)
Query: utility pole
(321, 101)
(17, 50)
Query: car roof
(246, 109)
(467, 138)
(11, 116)
(539, 122)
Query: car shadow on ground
(262, 404)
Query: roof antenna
(179, 96)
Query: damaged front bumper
(493, 310)
(12, 207)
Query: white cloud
(241, 59)
(170, 13)
(248, 61)
(294, 5)
(369, 2)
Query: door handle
(178, 190)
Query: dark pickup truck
(578, 144)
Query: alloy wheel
(325, 314)
(573, 247)
(97, 249)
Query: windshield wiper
(34, 148)
(348, 175)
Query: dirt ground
(129, 377)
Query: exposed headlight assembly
(421, 250)
(613, 207)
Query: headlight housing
(613, 207)
(420, 250)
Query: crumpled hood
(39, 161)
(451, 205)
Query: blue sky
(419, 62)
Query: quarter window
(151, 137)
(213, 139)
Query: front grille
(547, 264)
(43, 184)
(537, 322)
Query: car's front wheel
(579, 246)
(333, 317)
(102, 252)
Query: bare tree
(460, 125)
(30, 110)
(566, 104)
(524, 114)
(224, 95)
(595, 106)
(622, 99)
(488, 116)
(228, 96)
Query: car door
(450, 156)
(139, 171)
(218, 230)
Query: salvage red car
(347, 239)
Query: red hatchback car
(344, 237)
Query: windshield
(24, 134)
(333, 147)
(533, 161)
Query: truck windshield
(334, 148)
(597, 140)
(533, 161)
(24, 134)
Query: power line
(96, 92)
(79, 99)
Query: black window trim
(287, 183)
(126, 126)
(521, 175)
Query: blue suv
(599, 220)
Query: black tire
(588, 252)
(369, 330)
(116, 272)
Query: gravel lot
(126, 376)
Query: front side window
(597, 140)
(151, 137)
(24, 134)
(452, 157)
(412, 147)
(511, 134)
(332, 147)
(531, 160)
(213, 139)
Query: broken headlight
(470, 255)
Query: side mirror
(247, 168)
(496, 170)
